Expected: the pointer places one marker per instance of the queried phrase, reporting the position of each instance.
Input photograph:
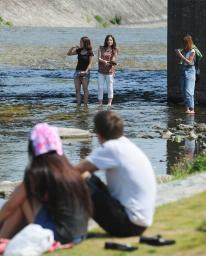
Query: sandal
(156, 240)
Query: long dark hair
(86, 43)
(114, 46)
(52, 181)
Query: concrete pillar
(185, 17)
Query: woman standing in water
(106, 58)
(82, 73)
(187, 79)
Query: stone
(73, 133)
(166, 135)
(192, 135)
(201, 127)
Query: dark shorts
(78, 75)
(109, 213)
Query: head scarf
(45, 138)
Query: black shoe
(156, 240)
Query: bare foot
(190, 112)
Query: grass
(101, 21)
(4, 22)
(116, 20)
(187, 167)
(184, 221)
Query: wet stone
(185, 127)
(201, 127)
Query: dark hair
(187, 43)
(52, 180)
(86, 43)
(108, 124)
(114, 47)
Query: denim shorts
(44, 219)
(78, 75)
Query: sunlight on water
(29, 95)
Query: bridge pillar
(185, 17)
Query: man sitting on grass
(125, 206)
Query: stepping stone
(73, 133)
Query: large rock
(6, 188)
(73, 133)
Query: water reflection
(186, 148)
(190, 144)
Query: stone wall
(186, 17)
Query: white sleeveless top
(187, 55)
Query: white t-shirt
(130, 178)
(187, 55)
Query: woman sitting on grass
(52, 194)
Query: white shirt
(130, 178)
(187, 55)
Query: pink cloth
(3, 245)
(57, 245)
(45, 138)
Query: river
(36, 85)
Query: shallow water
(29, 95)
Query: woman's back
(62, 195)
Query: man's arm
(84, 166)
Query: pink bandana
(45, 138)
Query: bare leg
(16, 221)
(85, 83)
(13, 224)
(77, 83)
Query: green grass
(4, 22)
(116, 20)
(184, 221)
(187, 167)
(101, 21)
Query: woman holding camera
(107, 60)
(82, 73)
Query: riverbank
(184, 221)
(172, 221)
(167, 191)
(177, 203)
(77, 13)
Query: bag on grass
(33, 240)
